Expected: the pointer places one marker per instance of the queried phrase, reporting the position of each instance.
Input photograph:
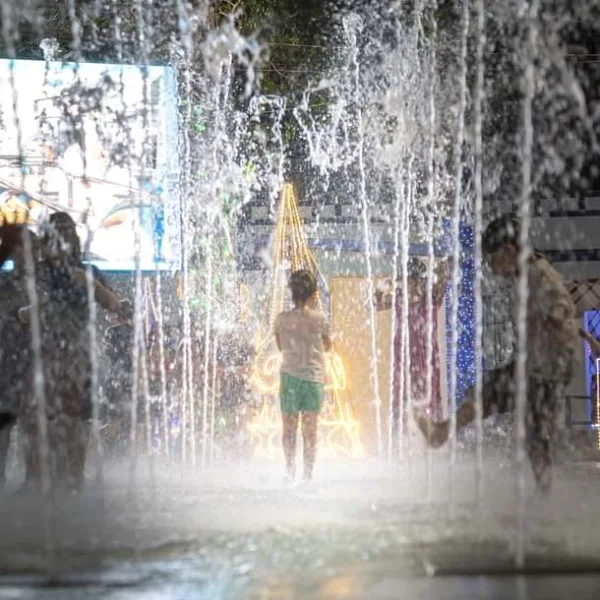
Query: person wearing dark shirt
(64, 324)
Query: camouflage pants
(543, 398)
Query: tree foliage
(294, 33)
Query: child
(303, 337)
(552, 338)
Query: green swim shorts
(299, 395)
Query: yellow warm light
(13, 212)
(245, 303)
(339, 430)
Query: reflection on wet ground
(338, 588)
(363, 530)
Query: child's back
(303, 337)
(300, 333)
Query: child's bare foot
(435, 434)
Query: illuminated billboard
(100, 142)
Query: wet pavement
(361, 530)
(382, 587)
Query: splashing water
(383, 169)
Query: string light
(340, 431)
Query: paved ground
(362, 530)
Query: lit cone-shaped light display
(339, 433)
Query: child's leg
(33, 457)
(310, 421)
(541, 414)
(78, 442)
(62, 440)
(33, 476)
(291, 397)
(497, 391)
(290, 427)
(71, 451)
(6, 425)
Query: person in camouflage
(552, 338)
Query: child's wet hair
(500, 232)
(303, 285)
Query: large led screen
(100, 142)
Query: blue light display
(465, 339)
(591, 324)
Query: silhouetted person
(64, 321)
(15, 350)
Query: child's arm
(327, 343)
(592, 341)
(105, 297)
(558, 318)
